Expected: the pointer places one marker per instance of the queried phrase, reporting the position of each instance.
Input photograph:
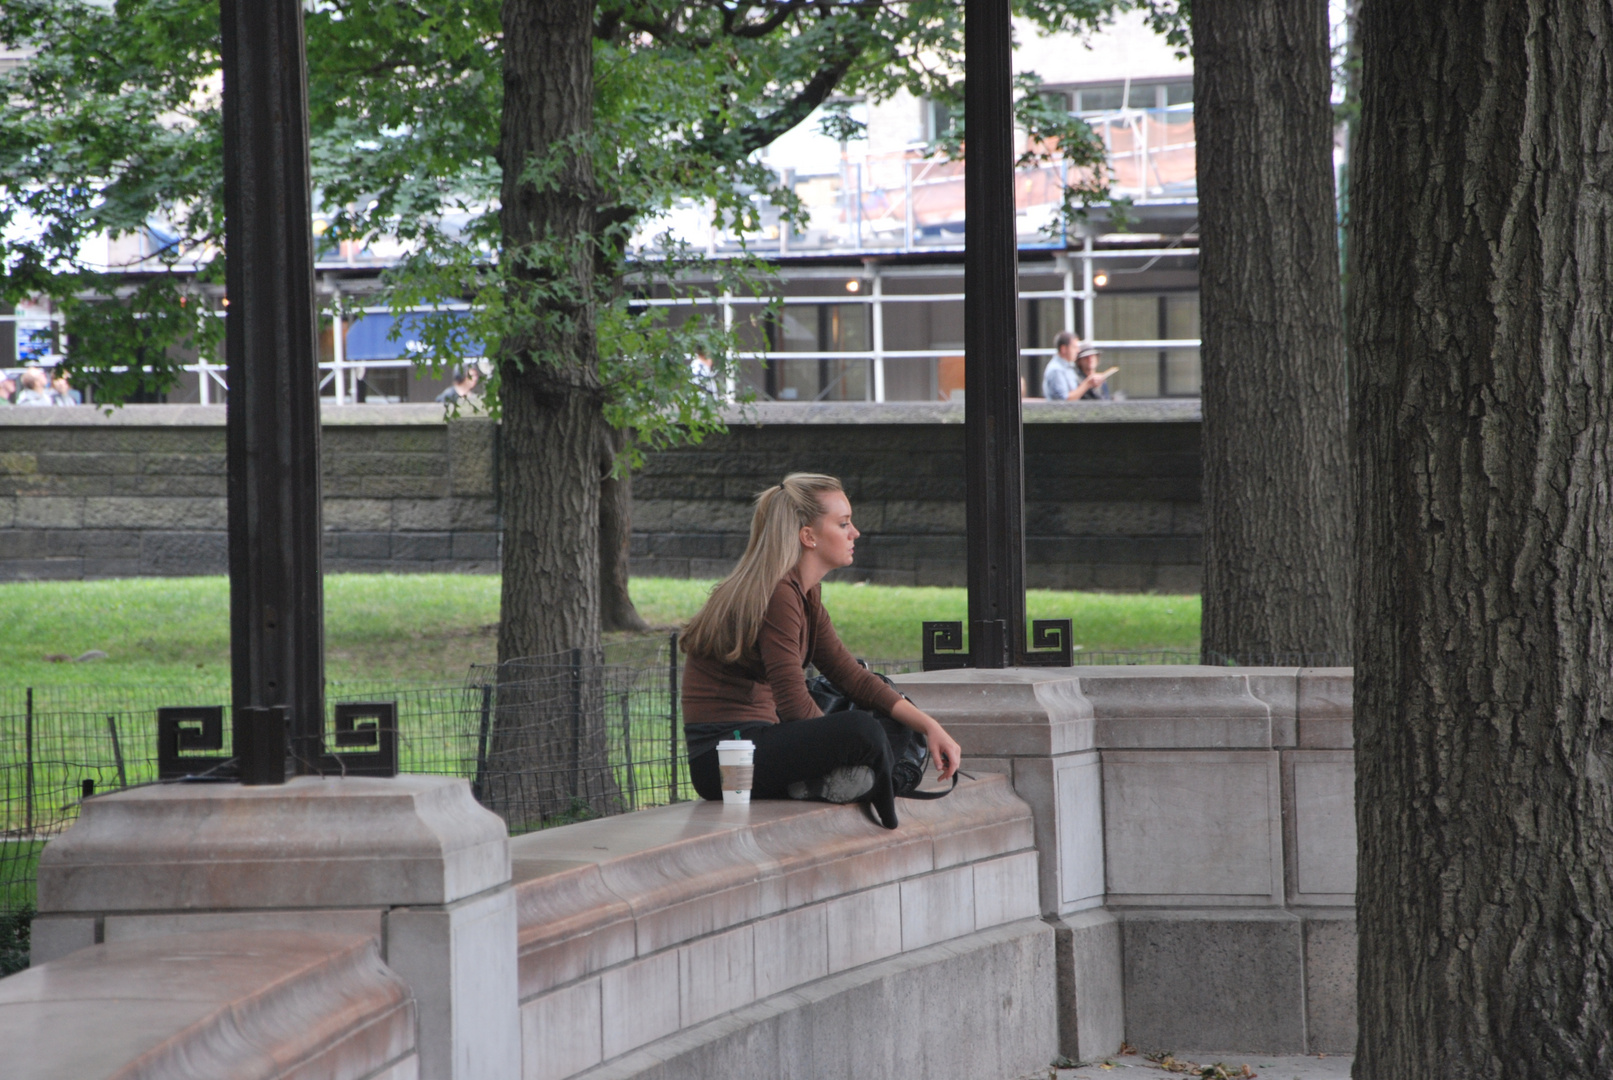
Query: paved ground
(1267, 1067)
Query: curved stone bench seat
(410, 862)
(286, 1006)
(639, 928)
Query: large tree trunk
(1482, 318)
(548, 744)
(616, 609)
(1276, 485)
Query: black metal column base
(1052, 641)
(366, 743)
(261, 742)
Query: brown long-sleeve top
(768, 684)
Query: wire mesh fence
(542, 741)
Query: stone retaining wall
(1197, 833)
(1112, 491)
(142, 492)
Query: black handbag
(910, 752)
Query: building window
(1150, 372)
(1099, 98)
(820, 328)
(938, 120)
(1137, 95)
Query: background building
(872, 282)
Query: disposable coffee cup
(736, 759)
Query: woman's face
(832, 538)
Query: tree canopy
(112, 127)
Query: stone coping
(1156, 411)
(600, 893)
(312, 842)
(850, 413)
(1040, 711)
(213, 416)
(245, 1006)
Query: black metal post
(117, 751)
(672, 714)
(277, 652)
(627, 751)
(993, 459)
(28, 766)
(478, 788)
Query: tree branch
(752, 31)
(748, 138)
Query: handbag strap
(943, 793)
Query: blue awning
(369, 338)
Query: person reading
(747, 650)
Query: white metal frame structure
(1077, 294)
(877, 297)
(850, 225)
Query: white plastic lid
(736, 744)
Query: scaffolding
(1082, 275)
(864, 211)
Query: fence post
(627, 750)
(117, 751)
(28, 758)
(576, 724)
(478, 788)
(672, 715)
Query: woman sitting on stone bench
(748, 648)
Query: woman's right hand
(943, 747)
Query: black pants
(805, 750)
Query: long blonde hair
(731, 621)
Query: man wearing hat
(1063, 380)
(1094, 384)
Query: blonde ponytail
(731, 621)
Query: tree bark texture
(1481, 315)
(553, 426)
(548, 750)
(616, 608)
(1276, 484)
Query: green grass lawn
(167, 640)
(19, 860)
(430, 627)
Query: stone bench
(1190, 819)
(1159, 821)
(412, 864)
(786, 939)
(275, 1006)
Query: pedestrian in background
(35, 388)
(61, 393)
